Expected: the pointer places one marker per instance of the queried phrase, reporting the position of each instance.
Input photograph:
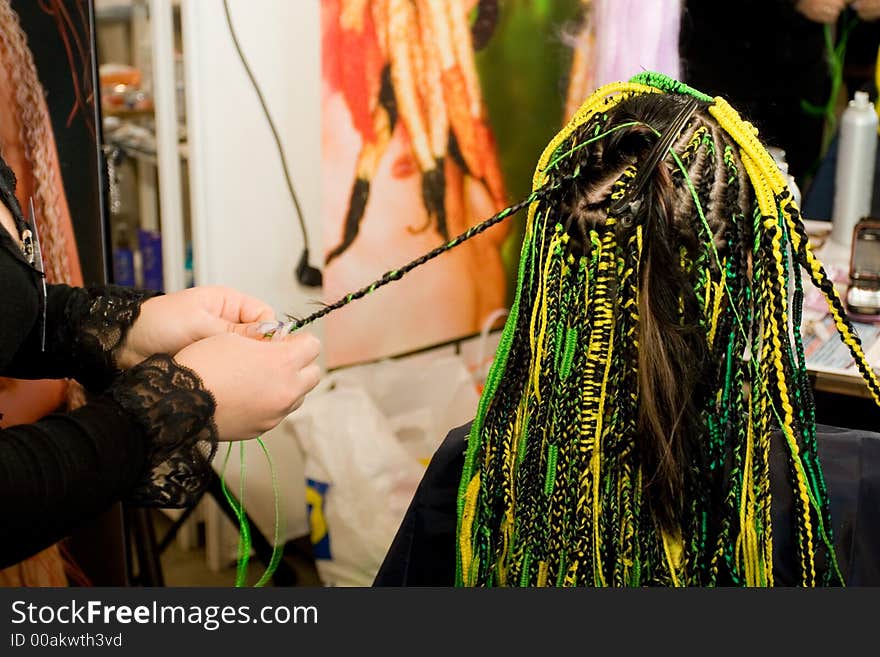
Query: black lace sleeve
(176, 412)
(96, 323)
(84, 329)
(149, 439)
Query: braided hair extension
(683, 321)
(623, 437)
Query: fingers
(254, 330)
(304, 348)
(307, 379)
(310, 377)
(229, 311)
(233, 306)
(254, 310)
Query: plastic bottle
(150, 245)
(123, 259)
(854, 178)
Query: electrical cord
(306, 274)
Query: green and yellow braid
(568, 479)
(553, 490)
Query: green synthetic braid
(557, 487)
(570, 506)
(668, 85)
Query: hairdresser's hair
(624, 434)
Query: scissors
(38, 265)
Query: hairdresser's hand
(821, 11)
(256, 383)
(171, 322)
(868, 10)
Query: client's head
(652, 349)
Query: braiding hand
(255, 384)
(174, 321)
(821, 11)
(868, 10)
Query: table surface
(838, 383)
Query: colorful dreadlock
(649, 361)
(555, 488)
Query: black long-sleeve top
(145, 434)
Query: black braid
(397, 274)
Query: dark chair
(851, 465)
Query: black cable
(307, 275)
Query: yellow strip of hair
(746, 139)
(747, 541)
(843, 329)
(506, 531)
(533, 322)
(467, 523)
(763, 191)
(596, 461)
(772, 225)
(770, 178)
(541, 345)
(543, 569)
(746, 136)
(672, 548)
(707, 297)
(769, 209)
(716, 308)
(571, 574)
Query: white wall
(245, 227)
(245, 230)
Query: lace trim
(97, 323)
(169, 402)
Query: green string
(276, 538)
(602, 135)
(669, 85)
(836, 54)
(244, 537)
(244, 531)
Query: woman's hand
(821, 11)
(256, 384)
(169, 323)
(868, 10)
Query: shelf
(147, 154)
(127, 113)
(113, 14)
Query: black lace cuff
(97, 321)
(177, 415)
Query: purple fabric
(633, 36)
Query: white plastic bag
(367, 435)
(422, 397)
